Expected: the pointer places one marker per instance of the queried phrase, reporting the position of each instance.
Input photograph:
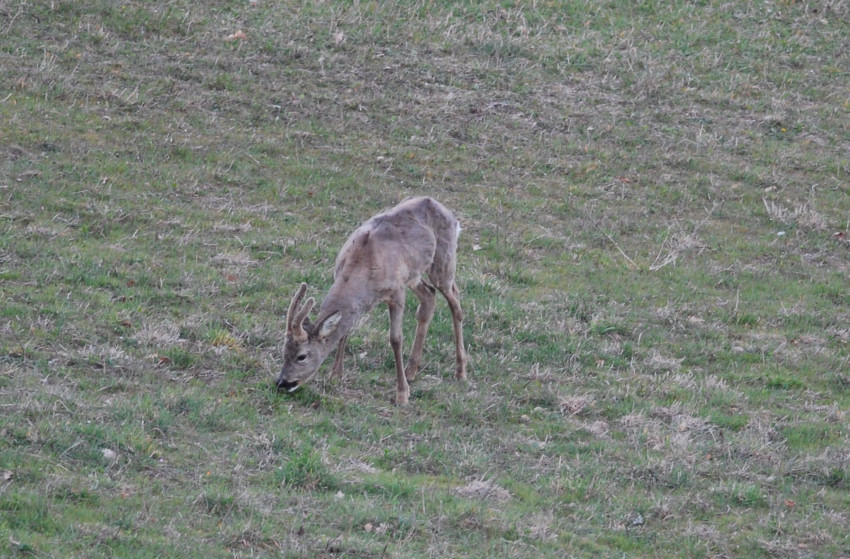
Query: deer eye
(301, 358)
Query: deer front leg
(396, 307)
(427, 301)
(336, 372)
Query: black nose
(283, 384)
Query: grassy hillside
(654, 269)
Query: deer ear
(328, 326)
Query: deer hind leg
(452, 296)
(427, 296)
(396, 307)
(336, 371)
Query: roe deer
(390, 251)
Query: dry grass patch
(803, 216)
(483, 490)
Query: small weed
(178, 358)
(750, 497)
(304, 469)
(784, 382)
(732, 421)
(222, 338)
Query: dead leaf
(238, 35)
(7, 475)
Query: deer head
(307, 345)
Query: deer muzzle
(286, 384)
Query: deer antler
(295, 317)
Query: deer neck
(350, 310)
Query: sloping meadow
(653, 267)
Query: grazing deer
(392, 250)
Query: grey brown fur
(391, 251)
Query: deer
(390, 252)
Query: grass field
(654, 270)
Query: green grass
(653, 270)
